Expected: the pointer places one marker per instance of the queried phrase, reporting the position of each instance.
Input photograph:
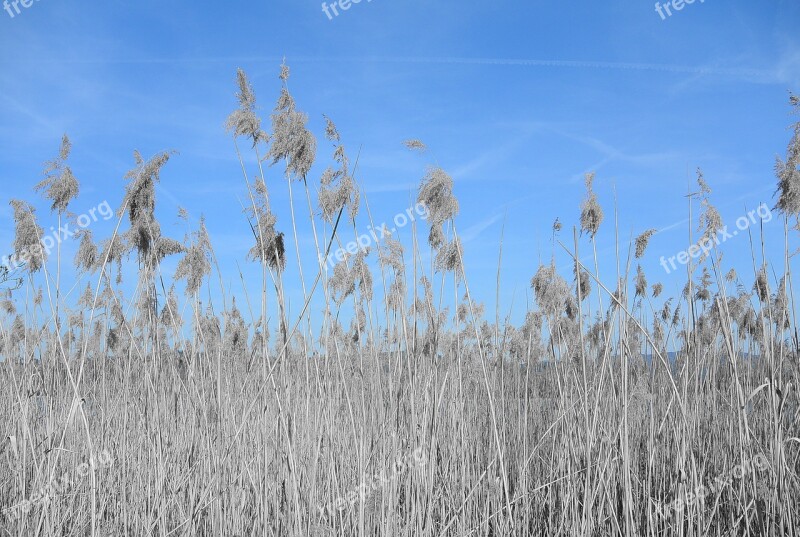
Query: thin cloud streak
(760, 74)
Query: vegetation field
(384, 399)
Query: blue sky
(517, 100)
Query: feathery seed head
(390, 253)
(169, 315)
(361, 272)
(328, 176)
(244, 121)
(583, 284)
(331, 132)
(342, 284)
(640, 282)
(588, 180)
(415, 145)
(59, 184)
(86, 256)
(66, 148)
(666, 310)
(6, 304)
(139, 202)
(269, 247)
(165, 247)
(27, 236)
(86, 299)
(642, 242)
(788, 171)
(449, 257)
(291, 140)
(591, 212)
(284, 76)
(657, 288)
(761, 285)
(705, 190)
(676, 317)
(246, 96)
(196, 262)
(333, 198)
(550, 290)
(710, 220)
(236, 334)
(436, 193)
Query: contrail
(520, 62)
(667, 68)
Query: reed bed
(390, 403)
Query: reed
(397, 407)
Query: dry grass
(557, 427)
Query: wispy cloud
(40, 120)
(490, 157)
(472, 232)
(745, 73)
(610, 154)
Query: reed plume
(591, 212)
(291, 140)
(27, 235)
(436, 193)
(788, 170)
(244, 121)
(59, 185)
(642, 242)
(195, 264)
(337, 186)
(551, 290)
